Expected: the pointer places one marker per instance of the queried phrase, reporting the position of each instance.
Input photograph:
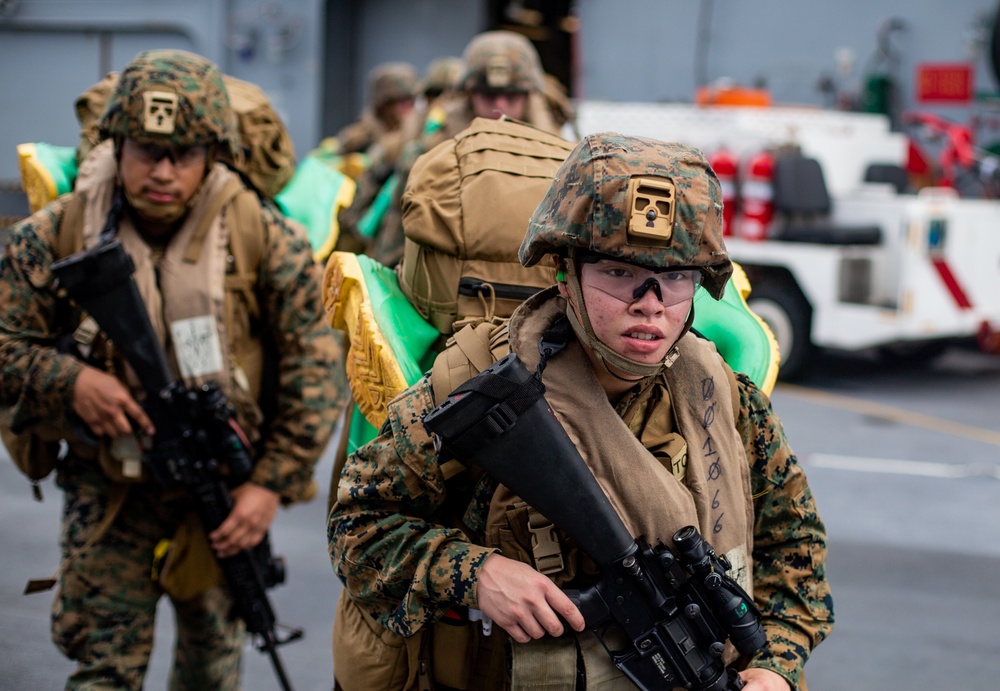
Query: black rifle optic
(196, 432)
(662, 615)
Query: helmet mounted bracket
(160, 112)
(652, 204)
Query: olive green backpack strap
(246, 241)
(470, 350)
(228, 192)
(339, 459)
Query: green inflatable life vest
(741, 337)
(392, 345)
(314, 197)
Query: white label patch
(197, 346)
(740, 573)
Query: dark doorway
(339, 104)
(549, 24)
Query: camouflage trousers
(104, 614)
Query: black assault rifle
(196, 433)
(663, 616)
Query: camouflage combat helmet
(442, 75)
(501, 61)
(391, 81)
(174, 98)
(636, 199)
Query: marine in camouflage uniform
(497, 63)
(440, 79)
(410, 538)
(168, 105)
(380, 135)
(392, 91)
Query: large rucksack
(465, 211)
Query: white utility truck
(839, 251)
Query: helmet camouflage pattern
(501, 61)
(636, 199)
(391, 81)
(173, 98)
(442, 74)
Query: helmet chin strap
(605, 355)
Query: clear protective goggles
(629, 282)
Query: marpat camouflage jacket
(400, 564)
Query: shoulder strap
(475, 345)
(734, 389)
(69, 236)
(229, 191)
(246, 242)
(468, 354)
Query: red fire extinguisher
(757, 202)
(726, 167)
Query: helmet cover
(172, 98)
(501, 61)
(636, 199)
(442, 75)
(391, 81)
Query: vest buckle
(545, 548)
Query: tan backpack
(268, 152)
(465, 211)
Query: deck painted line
(901, 467)
(887, 412)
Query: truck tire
(784, 309)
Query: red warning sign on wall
(944, 83)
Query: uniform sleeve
(395, 561)
(311, 391)
(789, 551)
(36, 381)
